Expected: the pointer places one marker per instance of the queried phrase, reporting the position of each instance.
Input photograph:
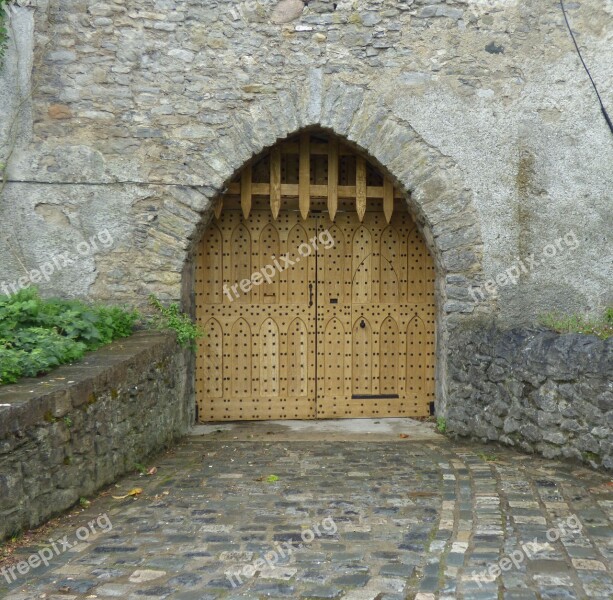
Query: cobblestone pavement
(352, 520)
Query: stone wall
(536, 390)
(64, 436)
(139, 112)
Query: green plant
(591, 457)
(140, 468)
(487, 457)
(16, 537)
(441, 424)
(3, 30)
(68, 422)
(37, 335)
(171, 317)
(84, 502)
(600, 326)
(4, 35)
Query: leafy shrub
(3, 27)
(171, 317)
(37, 335)
(601, 327)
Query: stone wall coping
(33, 400)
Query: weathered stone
(59, 111)
(555, 437)
(287, 10)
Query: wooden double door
(338, 319)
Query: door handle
(310, 295)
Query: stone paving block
(558, 593)
(322, 593)
(115, 590)
(274, 589)
(519, 595)
(361, 595)
(143, 575)
(280, 573)
(588, 565)
(354, 580)
(397, 570)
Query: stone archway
(317, 292)
(437, 198)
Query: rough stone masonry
(132, 115)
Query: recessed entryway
(316, 291)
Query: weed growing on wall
(171, 317)
(601, 327)
(37, 335)
(4, 35)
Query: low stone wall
(538, 390)
(66, 435)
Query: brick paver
(352, 520)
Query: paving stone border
(65, 436)
(537, 390)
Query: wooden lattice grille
(345, 332)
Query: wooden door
(375, 318)
(257, 360)
(345, 331)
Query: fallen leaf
(152, 471)
(134, 492)
(404, 435)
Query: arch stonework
(438, 200)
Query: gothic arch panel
(362, 267)
(268, 251)
(297, 273)
(391, 266)
(240, 266)
(240, 373)
(297, 359)
(269, 356)
(363, 357)
(389, 354)
(335, 371)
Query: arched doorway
(316, 290)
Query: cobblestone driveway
(375, 521)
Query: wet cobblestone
(350, 520)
